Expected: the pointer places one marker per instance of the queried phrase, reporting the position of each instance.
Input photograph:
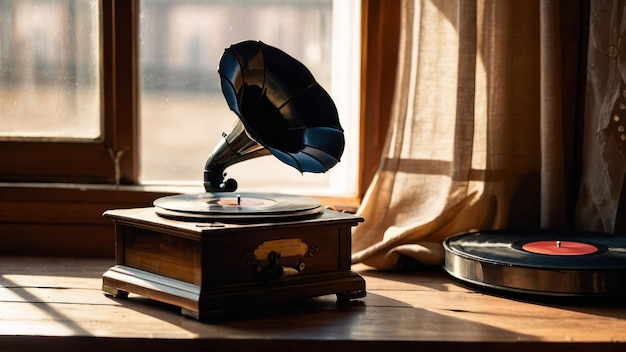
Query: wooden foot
(345, 297)
(114, 292)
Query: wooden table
(57, 304)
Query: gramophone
(205, 252)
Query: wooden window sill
(66, 219)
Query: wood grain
(58, 303)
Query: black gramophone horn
(282, 111)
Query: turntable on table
(540, 262)
(207, 251)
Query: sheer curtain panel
(476, 139)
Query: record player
(546, 262)
(207, 251)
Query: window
(66, 71)
(52, 76)
(49, 70)
(183, 112)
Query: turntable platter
(544, 262)
(241, 207)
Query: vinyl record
(546, 262)
(237, 207)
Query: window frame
(52, 196)
(91, 161)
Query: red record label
(559, 247)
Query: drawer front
(265, 255)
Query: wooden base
(119, 280)
(205, 268)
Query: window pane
(49, 69)
(183, 111)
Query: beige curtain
(475, 140)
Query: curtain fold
(475, 138)
(604, 162)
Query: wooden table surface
(57, 304)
